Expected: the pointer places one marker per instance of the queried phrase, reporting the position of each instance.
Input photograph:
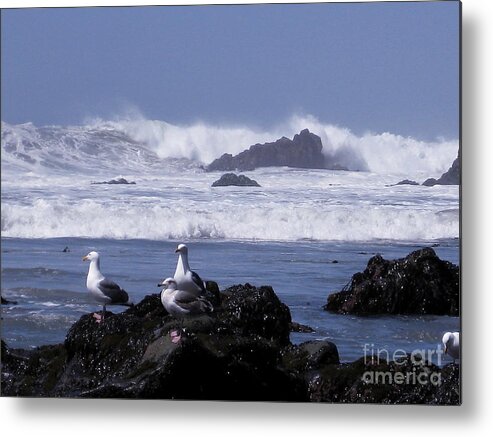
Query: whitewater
(47, 190)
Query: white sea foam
(204, 216)
(47, 191)
(138, 144)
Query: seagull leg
(176, 334)
(100, 317)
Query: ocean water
(287, 233)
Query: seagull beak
(446, 349)
(85, 258)
(177, 250)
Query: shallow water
(49, 285)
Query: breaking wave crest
(137, 144)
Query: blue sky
(366, 66)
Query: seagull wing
(198, 281)
(113, 291)
(193, 304)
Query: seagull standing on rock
(185, 279)
(103, 290)
(180, 303)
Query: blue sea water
(286, 234)
(49, 285)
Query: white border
(57, 417)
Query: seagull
(180, 303)
(186, 280)
(451, 344)
(103, 290)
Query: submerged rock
(303, 151)
(420, 283)
(407, 182)
(231, 179)
(119, 181)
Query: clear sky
(366, 66)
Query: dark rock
(232, 354)
(420, 283)
(229, 179)
(303, 151)
(249, 310)
(376, 381)
(119, 181)
(298, 327)
(241, 351)
(8, 302)
(450, 177)
(407, 182)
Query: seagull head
(169, 283)
(182, 249)
(91, 256)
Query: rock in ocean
(241, 351)
(303, 151)
(450, 177)
(231, 179)
(420, 283)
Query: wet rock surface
(407, 182)
(119, 181)
(231, 179)
(303, 151)
(241, 351)
(420, 283)
(450, 177)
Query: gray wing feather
(113, 291)
(194, 304)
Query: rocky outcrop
(420, 283)
(450, 177)
(407, 182)
(231, 179)
(241, 351)
(119, 181)
(303, 151)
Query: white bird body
(180, 303)
(451, 344)
(104, 291)
(186, 279)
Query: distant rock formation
(407, 182)
(450, 177)
(231, 179)
(303, 151)
(420, 283)
(119, 181)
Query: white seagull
(451, 344)
(186, 280)
(181, 303)
(103, 290)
